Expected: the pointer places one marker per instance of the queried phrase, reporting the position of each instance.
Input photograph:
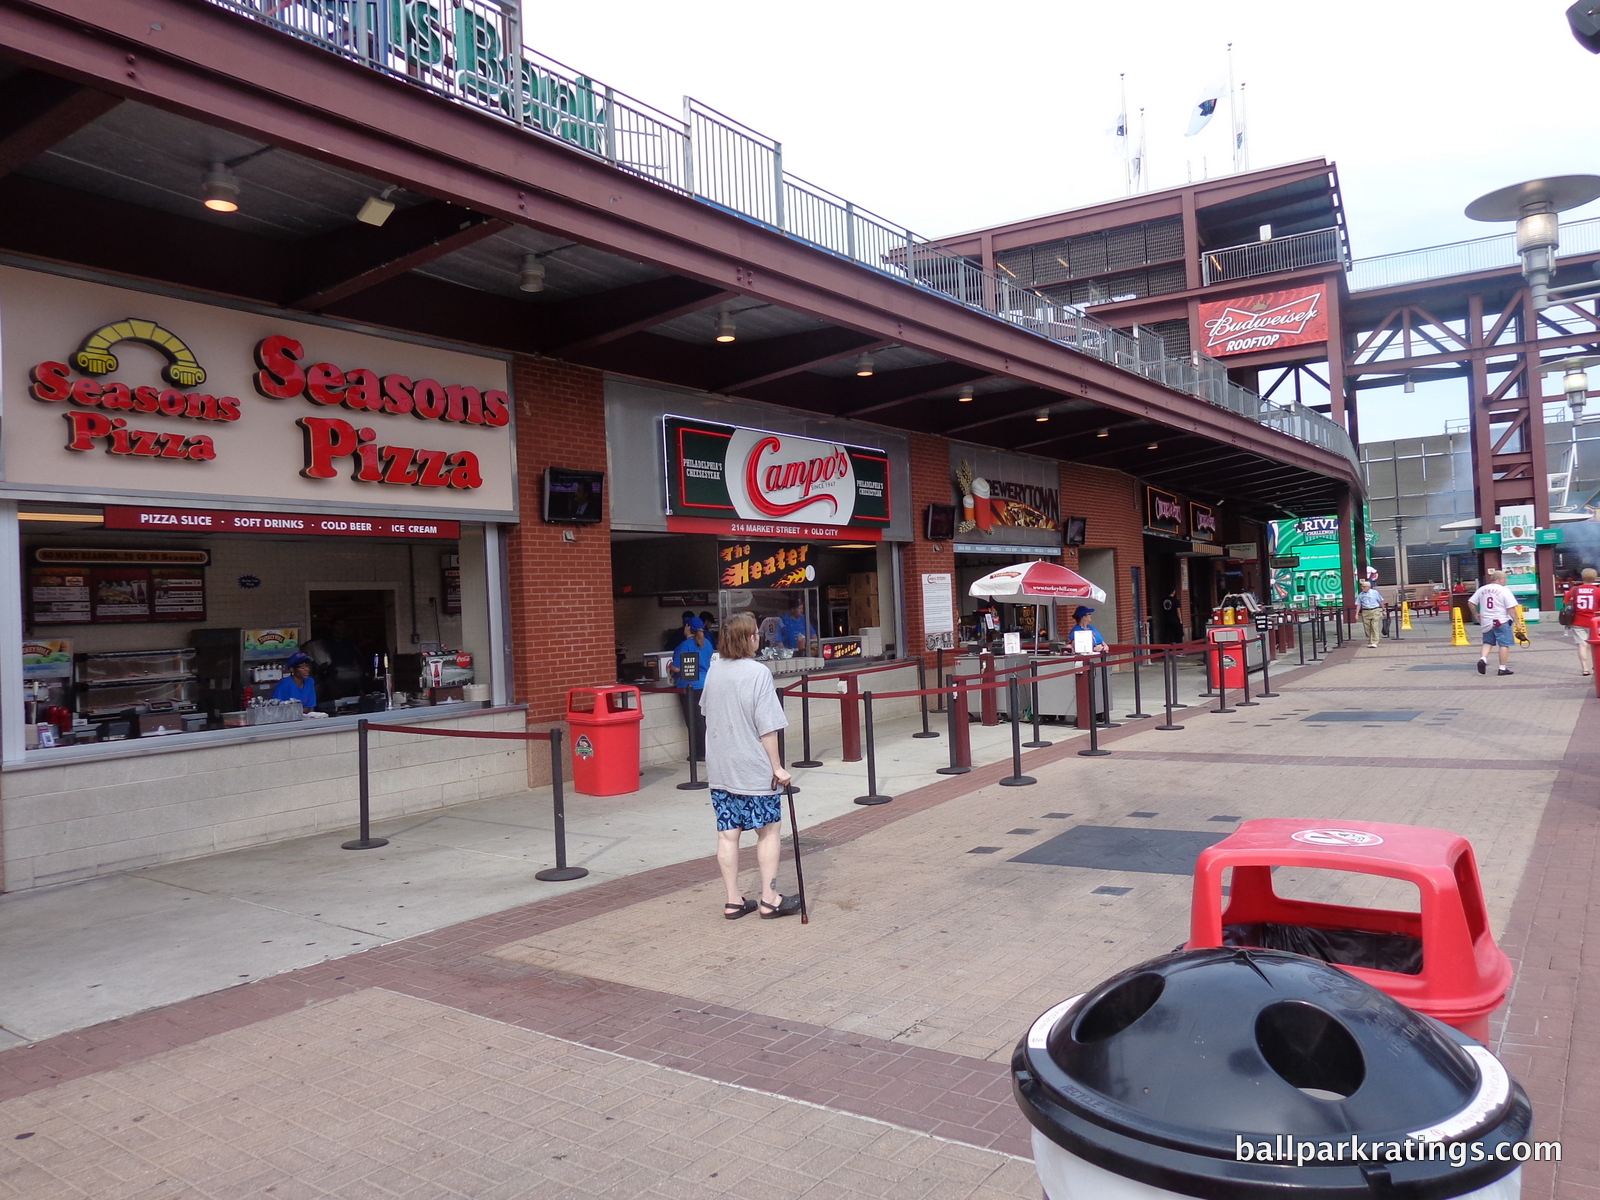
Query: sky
(949, 117)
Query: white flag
(1205, 108)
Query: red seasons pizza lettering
(281, 377)
(52, 382)
(328, 439)
(87, 429)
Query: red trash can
(1441, 961)
(1227, 654)
(605, 739)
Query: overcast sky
(950, 117)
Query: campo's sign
(733, 479)
(189, 400)
(1269, 321)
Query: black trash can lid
(1166, 1072)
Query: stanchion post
(1038, 743)
(560, 873)
(922, 686)
(805, 727)
(782, 753)
(1244, 661)
(1300, 638)
(872, 796)
(1016, 778)
(956, 724)
(1222, 685)
(691, 717)
(1266, 692)
(1169, 679)
(1104, 673)
(366, 841)
(938, 673)
(1086, 700)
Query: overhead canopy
(1035, 580)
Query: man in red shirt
(1583, 598)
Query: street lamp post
(1535, 207)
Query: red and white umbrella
(1037, 580)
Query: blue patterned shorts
(737, 811)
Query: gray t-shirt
(740, 703)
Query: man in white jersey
(1494, 606)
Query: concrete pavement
(620, 1039)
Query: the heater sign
(1269, 321)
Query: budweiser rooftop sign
(1269, 321)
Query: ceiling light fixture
(1152, 446)
(1103, 433)
(864, 365)
(375, 210)
(966, 394)
(531, 277)
(1410, 386)
(1042, 415)
(726, 330)
(219, 190)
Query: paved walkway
(621, 1040)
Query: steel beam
(350, 259)
(586, 322)
(38, 110)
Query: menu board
(121, 594)
(115, 595)
(178, 594)
(58, 596)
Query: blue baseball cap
(695, 623)
(1081, 611)
(297, 658)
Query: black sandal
(732, 912)
(786, 906)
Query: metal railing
(468, 51)
(1462, 258)
(1312, 249)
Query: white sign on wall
(109, 391)
(938, 612)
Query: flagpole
(1127, 141)
(1144, 157)
(1242, 140)
(1233, 112)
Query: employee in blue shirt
(796, 626)
(298, 684)
(1081, 622)
(694, 653)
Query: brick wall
(1110, 501)
(930, 484)
(561, 625)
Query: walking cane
(799, 875)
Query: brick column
(563, 631)
(930, 484)
(1110, 501)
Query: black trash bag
(1397, 952)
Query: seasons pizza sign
(734, 479)
(175, 398)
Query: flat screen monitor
(1074, 531)
(573, 497)
(940, 522)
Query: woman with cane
(742, 718)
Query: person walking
(1583, 601)
(1370, 602)
(1494, 606)
(742, 718)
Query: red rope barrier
(467, 733)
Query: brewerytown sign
(732, 479)
(1268, 321)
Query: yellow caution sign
(1458, 627)
(1405, 616)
